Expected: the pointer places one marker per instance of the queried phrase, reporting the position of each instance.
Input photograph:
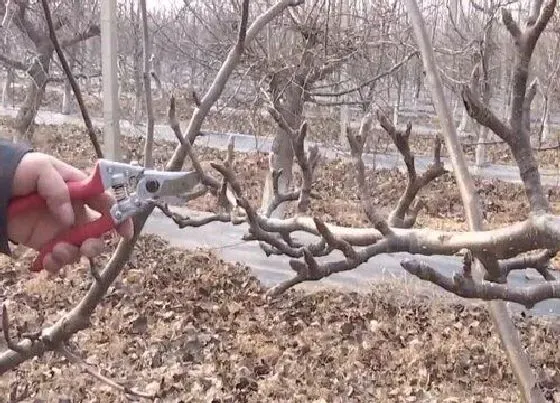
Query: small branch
(68, 71)
(10, 63)
(225, 201)
(257, 233)
(6, 330)
(279, 197)
(527, 296)
(368, 82)
(185, 221)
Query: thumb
(51, 186)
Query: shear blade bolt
(152, 186)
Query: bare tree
(35, 32)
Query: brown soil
(190, 327)
(187, 326)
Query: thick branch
(307, 162)
(539, 261)
(528, 296)
(543, 19)
(484, 116)
(511, 25)
(176, 127)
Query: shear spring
(120, 192)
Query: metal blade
(167, 184)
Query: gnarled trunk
(35, 90)
(282, 157)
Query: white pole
(111, 110)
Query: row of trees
(362, 41)
(290, 56)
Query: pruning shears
(133, 186)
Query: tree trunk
(137, 90)
(10, 76)
(34, 95)
(67, 98)
(282, 157)
(481, 152)
(462, 129)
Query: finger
(104, 202)
(92, 247)
(53, 189)
(50, 264)
(64, 253)
(68, 172)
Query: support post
(111, 109)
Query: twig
(185, 221)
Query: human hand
(46, 175)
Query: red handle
(75, 236)
(82, 191)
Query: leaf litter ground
(187, 326)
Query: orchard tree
(25, 20)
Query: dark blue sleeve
(10, 157)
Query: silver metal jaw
(148, 186)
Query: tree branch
(511, 25)
(68, 71)
(365, 83)
(528, 296)
(401, 217)
(484, 116)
